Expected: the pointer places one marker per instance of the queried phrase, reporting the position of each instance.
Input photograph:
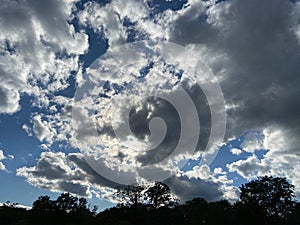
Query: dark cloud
(8, 100)
(261, 59)
(71, 173)
(193, 27)
(93, 177)
(187, 188)
(61, 172)
(76, 188)
(252, 48)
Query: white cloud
(109, 19)
(236, 151)
(280, 159)
(18, 206)
(252, 142)
(2, 156)
(2, 167)
(9, 100)
(43, 130)
(38, 49)
(60, 172)
(251, 66)
(258, 72)
(55, 173)
(216, 179)
(248, 168)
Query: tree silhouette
(66, 209)
(196, 211)
(130, 194)
(43, 203)
(273, 195)
(160, 195)
(67, 202)
(266, 200)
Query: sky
(202, 95)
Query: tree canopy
(160, 195)
(265, 200)
(274, 196)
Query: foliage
(160, 195)
(156, 195)
(130, 195)
(266, 200)
(272, 196)
(43, 204)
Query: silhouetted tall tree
(273, 195)
(67, 202)
(130, 194)
(196, 211)
(160, 195)
(43, 203)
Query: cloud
(18, 206)
(2, 166)
(236, 151)
(9, 101)
(2, 156)
(39, 49)
(246, 52)
(42, 129)
(255, 59)
(201, 181)
(248, 168)
(60, 172)
(162, 111)
(277, 160)
(188, 188)
(110, 19)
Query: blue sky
(71, 71)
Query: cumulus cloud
(9, 100)
(236, 151)
(71, 173)
(255, 60)
(197, 182)
(277, 160)
(247, 52)
(2, 156)
(113, 19)
(39, 48)
(65, 172)
(42, 129)
(188, 188)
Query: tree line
(265, 200)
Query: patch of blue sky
(133, 34)
(70, 90)
(158, 6)
(80, 4)
(14, 138)
(225, 157)
(25, 195)
(98, 45)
